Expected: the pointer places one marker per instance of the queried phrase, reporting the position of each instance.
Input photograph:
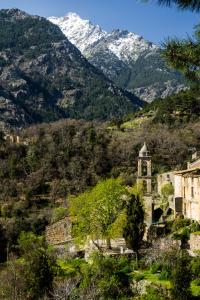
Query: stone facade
(187, 193)
(59, 232)
(186, 183)
(194, 241)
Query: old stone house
(186, 183)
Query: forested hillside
(67, 157)
(178, 109)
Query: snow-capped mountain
(80, 32)
(84, 35)
(124, 57)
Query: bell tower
(144, 179)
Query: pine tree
(135, 227)
(183, 55)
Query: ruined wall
(59, 232)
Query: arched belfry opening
(144, 169)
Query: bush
(139, 277)
(197, 282)
(195, 267)
(180, 223)
(155, 294)
(105, 278)
(155, 268)
(166, 272)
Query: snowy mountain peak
(82, 33)
(124, 57)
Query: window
(144, 168)
(192, 192)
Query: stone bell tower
(144, 179)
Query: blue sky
(153, 22)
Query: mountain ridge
(124, 57)
(44, 77)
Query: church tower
(144, 178)
(144, 170)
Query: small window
(192, 192)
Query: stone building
(144, 178)
(59, 232)
(163, 179)
(187, 190)
(187, 193)
(59, 235)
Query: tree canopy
(183, 55)
(97, 211)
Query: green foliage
(105, 278)
(184, 108)
(156, 267)
(59, 213)
(134, 229)
(195, 267)
(97, 210)
(166, 272)
(180, 223)
(167, 190)
(183, 55)
(39, 266)
(154, 294)
(142, 74)
(181, 277)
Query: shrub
(155, 268)
(195, 267)
(197, 282)
(166, 272)
(180, 223)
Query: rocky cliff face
(43, 77)
(125, 57)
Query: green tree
(39, 267)
(135, 227)
(105, 278)
(181, 277)
(183, 55)
(97, 211)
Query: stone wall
(166, 244)
(194, 241)
(59, 232)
